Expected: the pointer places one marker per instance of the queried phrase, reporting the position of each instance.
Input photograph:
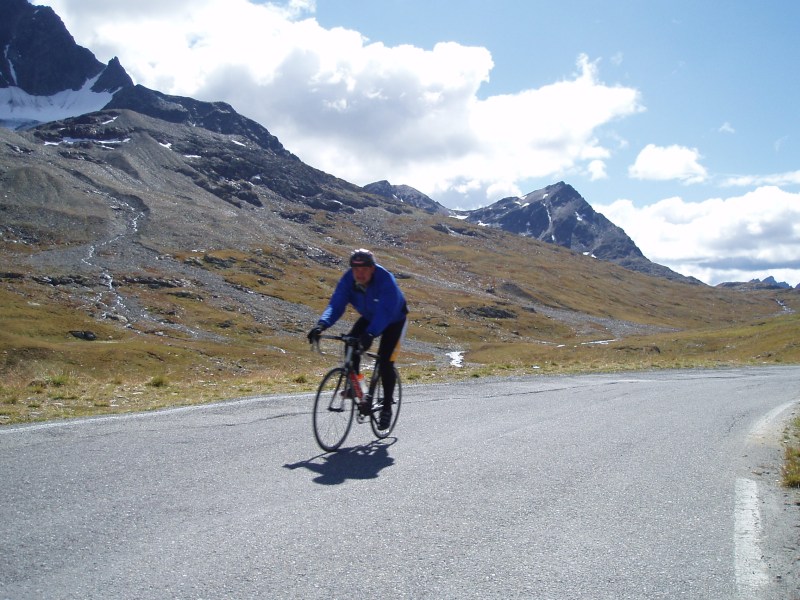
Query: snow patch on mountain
(19, 109)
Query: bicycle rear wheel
(333, 412)
(377, 406)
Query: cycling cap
(362, 258)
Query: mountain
(768, 283)
(407, 195)
(207, 152)
(46, 77)
(556, 214)
(173, 229)
(44, 74)
(214, 116)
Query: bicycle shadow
(359, 462)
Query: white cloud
(791, 178)
(300, 7)
(726, 128)
(597, 170)
(721, 239)
(362, 111)
(672, 162)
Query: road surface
(634, 485)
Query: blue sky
(677, 120)
(719, 78)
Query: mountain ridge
(555, 214)
(26, 27)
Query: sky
(679, 120)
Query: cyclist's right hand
(313, 335)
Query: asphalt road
(637, 485)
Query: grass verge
(791, 466)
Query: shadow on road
(360, 462)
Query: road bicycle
(341, 397)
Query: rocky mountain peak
(114, 77)
(558, 214)
(44, 75)
(407, 195)
(41, 56)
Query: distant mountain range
(768, 283)
(46, 77)
(557, 214)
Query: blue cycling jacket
(382, 303)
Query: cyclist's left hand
(313, 335)
(365, 341)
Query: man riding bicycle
(374, 293)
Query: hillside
(167, 251)
(202, 258)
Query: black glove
(365, 341)
(313, 335)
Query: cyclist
(374, 293)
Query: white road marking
(751, 572)
(765, 429)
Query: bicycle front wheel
(377, 406)
(333, 412)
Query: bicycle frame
(350, 349)
(334, 407)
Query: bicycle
(340, 396)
